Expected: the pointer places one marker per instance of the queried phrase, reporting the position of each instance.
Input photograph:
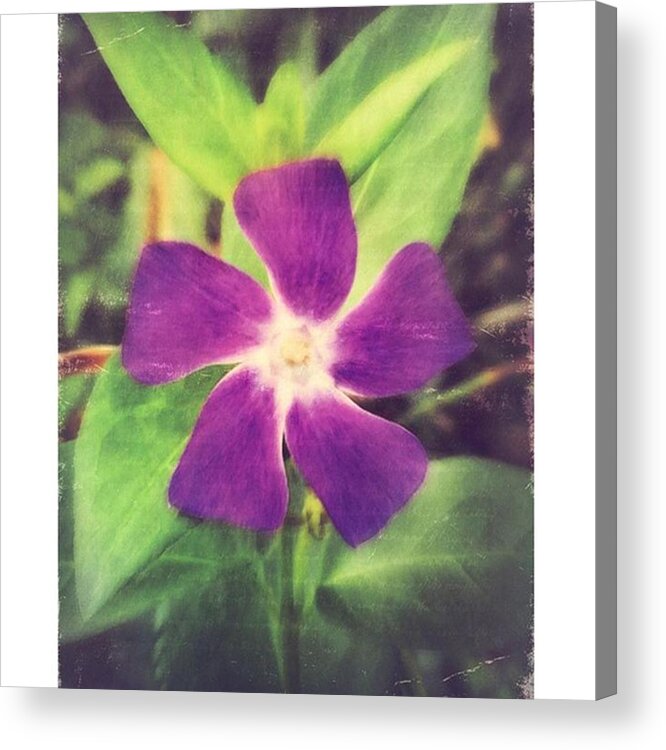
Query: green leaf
(369, 127)
(336, 660)
(73, 392)
(413, 189)
(72, 241)
(130, 440)
(231, 631)
(221, 637)
(97, 176)
(77, 295)
(452, 571)
(237, 250)
(233, 634)
(196, 559)
(193, 562)
(226, 636)
(281, 117)
(191, 105)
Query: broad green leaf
(389, 45)
(73, 392)
(233, 629)
(255, 627)
(130, 440)
(225, 635)
(452, 571)
(220, 637)
(368, 128)
(192, 562)
(192, 106)
(198, 558)
(413, 188)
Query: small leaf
(130, 440)
(453, 570)
(192, 106)
(78, 294)
(281, 117)
(97, 176)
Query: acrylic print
(296, 351)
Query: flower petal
(363, 468)
(232, 469)
(407, 328)
(299, 219)
(188, 310)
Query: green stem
(498, 319)
(307, 47)
(290, 614)
(290, 598)
(430, 399)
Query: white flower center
(295, 358)
(296, 348)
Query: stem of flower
(290, 615)
(498, 319)
(157, 215)
(431, 399)
(290, 610)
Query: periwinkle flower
(299, 360)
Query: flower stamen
(296, 348)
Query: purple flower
(299, 359)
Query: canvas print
(296, 351)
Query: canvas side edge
(606, 349)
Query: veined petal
(187, 310)
(299, 219)
(363, 468)
(232, 468)
(407, 328)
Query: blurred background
(118, 191)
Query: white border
(29, 300)
(564, 294)
(564, 482)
